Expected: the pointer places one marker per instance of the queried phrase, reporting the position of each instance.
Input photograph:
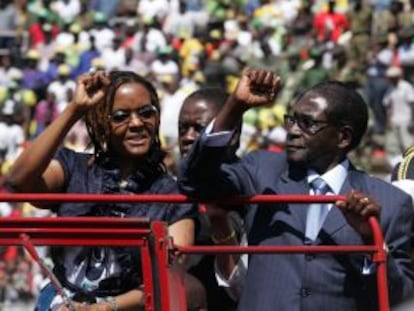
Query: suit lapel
(335, 219)
(295, 185)
(292, 182)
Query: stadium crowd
(182, 45)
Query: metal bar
(134, 222)
(161, 238)
(102, 231)
(380, 258)
(51, 275)
(228, 249)
(163, 198)
(147, 277)
(70, 241)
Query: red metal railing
(99, 231)
(156, 245)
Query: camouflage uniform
(360, 19)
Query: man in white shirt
(11, 133)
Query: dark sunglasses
(144, 113)
(305, 123)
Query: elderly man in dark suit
(324, 124)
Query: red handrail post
(147, 276)
(160, 236)
(380, 258)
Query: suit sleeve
(204, 174)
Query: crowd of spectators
(182, 45)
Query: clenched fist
(257, 87)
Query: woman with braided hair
(121, 110)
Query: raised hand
(257, 87)
(357, 208)
(90, 89)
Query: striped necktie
(316, 212)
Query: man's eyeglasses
(144, 113)
(305, 123)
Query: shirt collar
(335, 177)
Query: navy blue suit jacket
(298, 281)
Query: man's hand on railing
(357, 208)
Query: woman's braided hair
(98, 125)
